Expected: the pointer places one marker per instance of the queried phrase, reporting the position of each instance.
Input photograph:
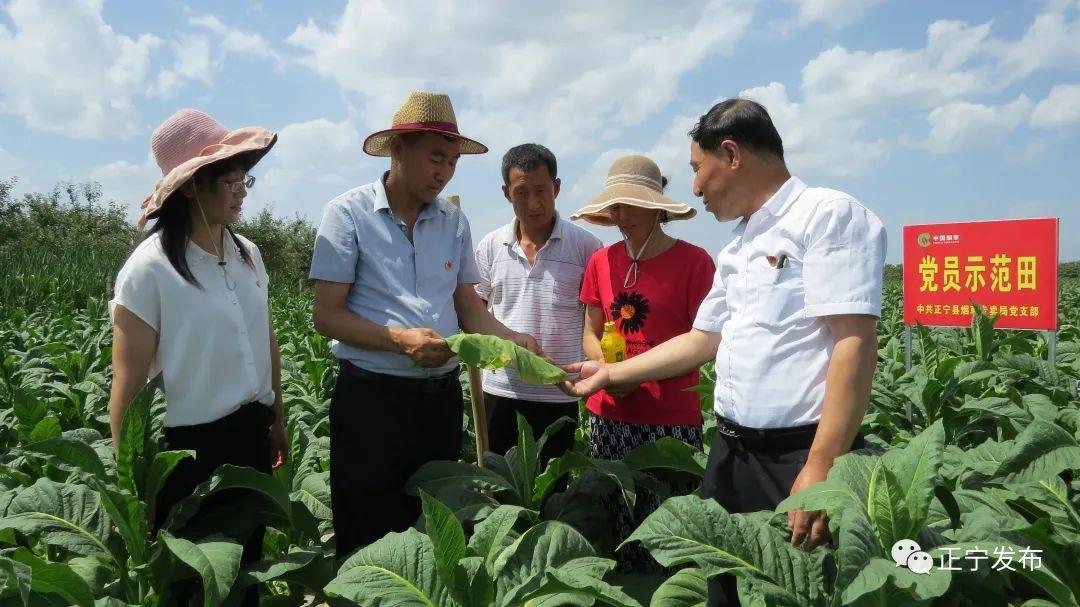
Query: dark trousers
(382, 429)
(752, 473)
(502, 423)
(241, 438)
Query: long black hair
(174, 220)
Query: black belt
(767, 438)
(426, 385)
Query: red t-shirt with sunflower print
(662, 305)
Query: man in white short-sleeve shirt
(790, 322)
(530, 276)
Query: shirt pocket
(566, 295)
(778, 293)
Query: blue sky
(925, 111)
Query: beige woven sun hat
(190, 140)
(633, 180)
(422, 112)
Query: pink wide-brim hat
(190, 140)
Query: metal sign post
(907, 367)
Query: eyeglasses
(236, 187)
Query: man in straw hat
(530, 274)
(394, 271)
(790, 322)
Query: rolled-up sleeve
(845, 259)
(336, 247)
(467, 271)
(713, 311)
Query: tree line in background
(70, 243)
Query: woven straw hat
(633, 180)
(422, 112)
(190, 140)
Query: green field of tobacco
(984, 476)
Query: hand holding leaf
(490, 352)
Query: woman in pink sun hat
(191, 306)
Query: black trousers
(241, 438)
(753, 473)
(502, 423)
(382, 429)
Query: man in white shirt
(530, 276)
(790, 322)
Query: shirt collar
(383, 202)
(510, 232)
(777, 204)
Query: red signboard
(1008, 267)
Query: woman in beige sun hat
(649, 285)
(191, 306)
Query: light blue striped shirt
(395, 282)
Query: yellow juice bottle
(612, 344)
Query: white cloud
(1053, 40)
(65, 70)
(314, 152)
(567, 73)
(818, 141)
(191, 56)
(833, 13)
(1060, 108)
(962, 125)
(127, 183)
(236, 41)
(196, 56)
(848, 96)
(844, 81)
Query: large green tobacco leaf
(67, 516)
(55, 579)
(687, 588)
(215, 559)
(882, 582)
(490, 352)
(494, 533)
(1044, 449)
(916, 469)
(579, 582)
(311, 569)
(132, 448)
(265, 499)
(668, 454)
(163, 465)
(314, 493)
(549, 564)
(129, 516)
(447, 541)
(71, 454)
(435, 476)
(398, 569)
(521, 568)
(846, 486)
(688, 529)
(15, 575)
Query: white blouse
(213, 348)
